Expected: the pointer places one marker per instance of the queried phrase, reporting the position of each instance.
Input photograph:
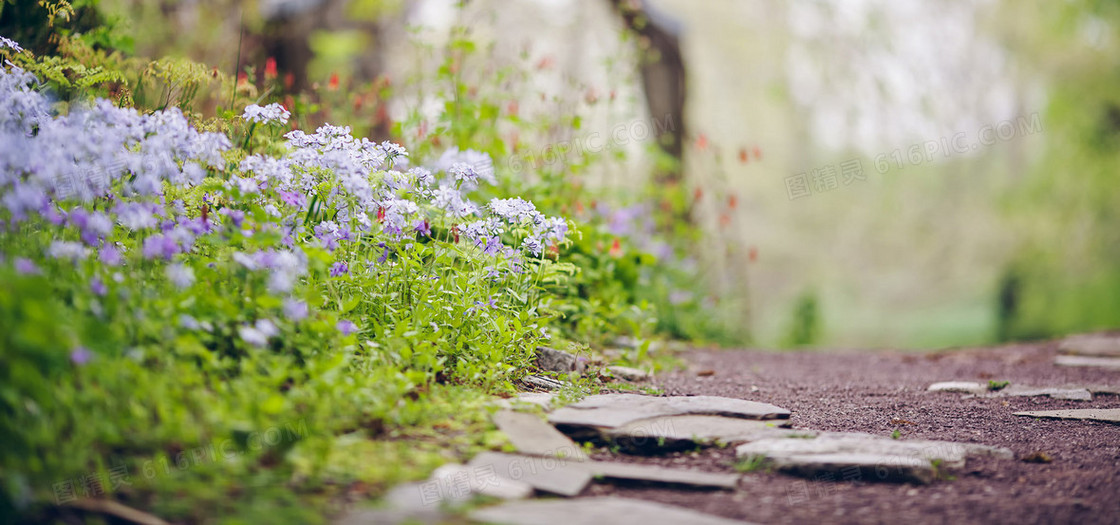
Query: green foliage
(804, 326)
(1065, 277)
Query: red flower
(270, 68)
(616, 249)
(744, 156)
(702, 142)
(333, 84)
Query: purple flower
(478, 305)
(24, 266)
(197, 226)
(97, 286)
(493, 246)
(424, 178)
(451, 200)
(532, 245)
(422, 227)
(516, 210)
(159, 246)
(339, 268)
(80, 355)
(110, 255)
(292, 198)
(329, 233)
(463, 173)
(23, 198)
(396, 213)
(137, 215)
(235, 216)
(53, 216)
(346, 327)
(295, 310)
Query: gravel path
(880, 392)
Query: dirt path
(880, 392)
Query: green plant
(994, 385)
(752, 463)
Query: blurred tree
(663, 75)
(1067, 208)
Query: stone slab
(1111, 363)
(588, 417)
(451, 484)
(1074, 394)
(1091, 345)
(1100, 389)
(858, 467)
(562, 477)
(847, 453)
(661, 475)
(668, 433)
(593, 511)
(966, 387)
(532, 435)
(1106, 415)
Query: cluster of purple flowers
(469, 164)
(85, 154)
(99, 175)
(270, 114)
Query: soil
(883, 391)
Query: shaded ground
(879, 392)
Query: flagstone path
(1008, 434)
